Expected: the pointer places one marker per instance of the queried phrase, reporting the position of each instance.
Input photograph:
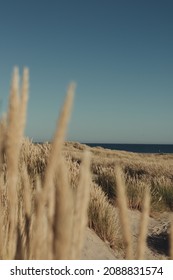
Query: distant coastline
(136, 148)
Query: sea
(137, 148)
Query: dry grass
(103, 218)
(38, 216)
(124, 219)
(50, 192)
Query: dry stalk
(39, 227)
(26, 192)
(54, 158)
(24, 101)
(143, 227)
(12, 147)
(81, 207)
(12, 163)
(63, 218)
(24, 214)
(57, 145)
(123, 213)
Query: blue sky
(119, 52)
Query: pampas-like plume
(24, 215)
(55, 157)
(123, 213)
(12, 147)
(143, 227)
(80, 207)
(39, 228)
(63, 216)
(57, 145)
(24, 99)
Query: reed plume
(123, 213)
(63, 215)
(81, 207)
(12, 149)
(57, 145)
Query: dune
(157, 245)
(65, 200)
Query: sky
(119, 53)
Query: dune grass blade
(59, 135)
(81, 207)
(38, 227)
(24, 99)
(12, 144)
(63, 216)
(54, 157)
(123, 213)
(12, 153)
(57, 148)
(24, 214)
(143, 227)
(39, 248)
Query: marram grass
(48, 195)
(36, 221)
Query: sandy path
(96, 249)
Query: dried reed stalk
(12, 163)
(57, 146)
(123, 213)
(26, 192)
(24, 214)
(12, 147)
(55, 155)
(23, 231)
(63, 218)
(39, 227)
(23, 101)
(141, 245)
(81, 207)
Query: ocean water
(137, 148)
